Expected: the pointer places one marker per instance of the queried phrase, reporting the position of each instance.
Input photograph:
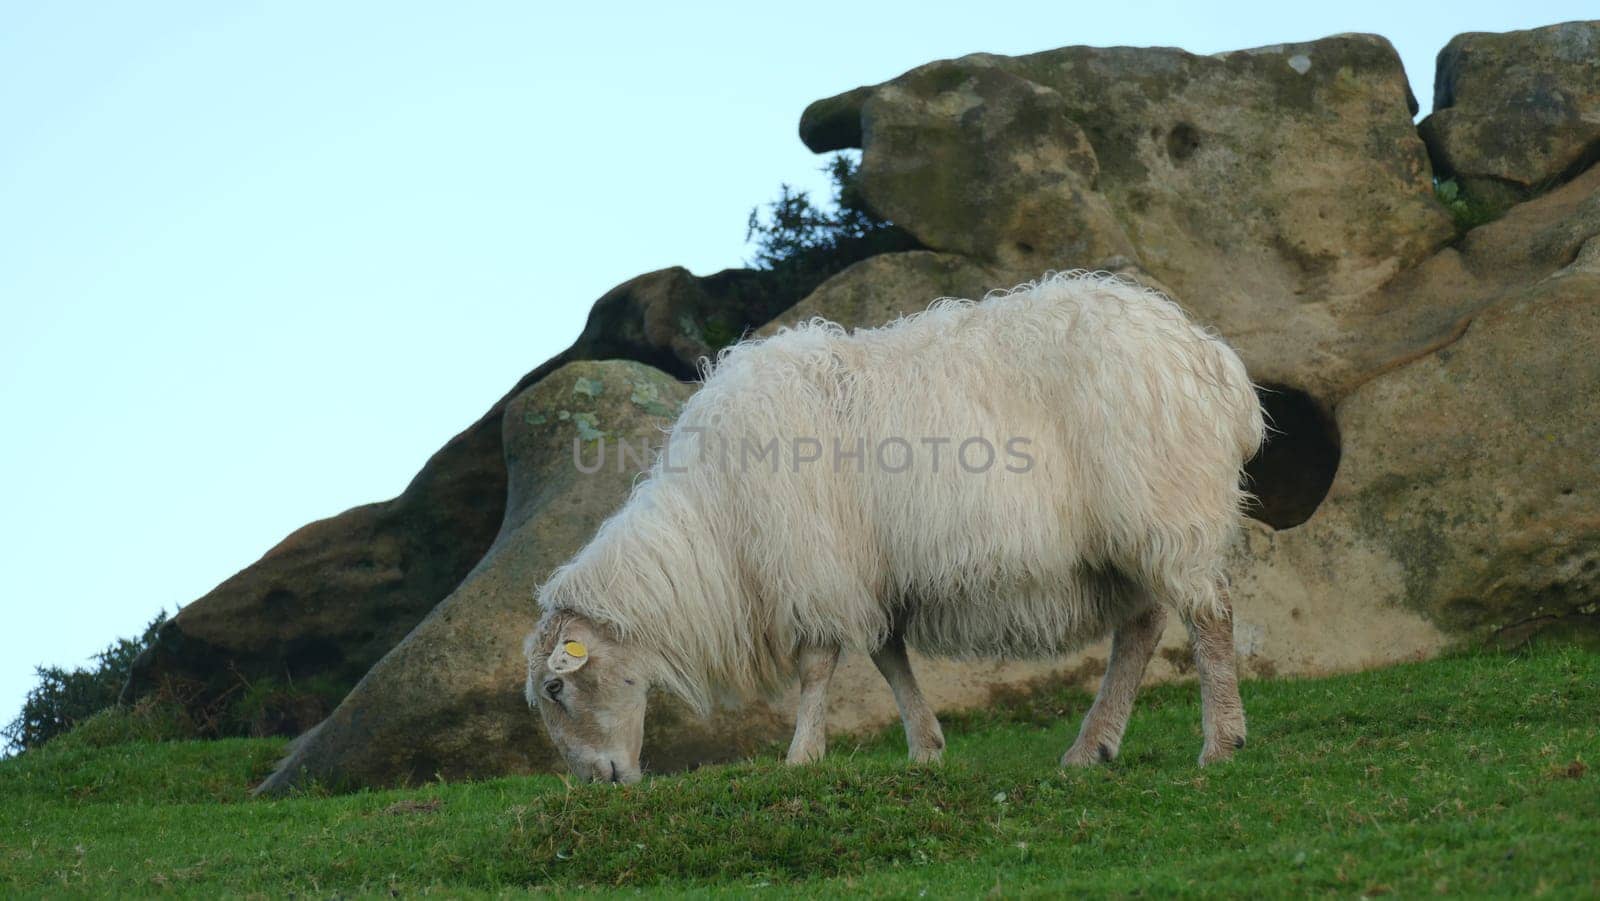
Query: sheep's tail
(1248, 422)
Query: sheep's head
(591, 695)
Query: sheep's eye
(552, 688)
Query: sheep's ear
(568, 656)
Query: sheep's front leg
(811, 722)
(1221, 712)
(924, 738)
(1132, 645)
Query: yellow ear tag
(576, 649)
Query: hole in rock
(1291, 474)
(1182, 141)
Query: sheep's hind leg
(1221, 712)
(924, 738)
(1132, 645)
(811, 721)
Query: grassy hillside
(1469, 774)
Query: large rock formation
(1515, 114)
(1432, 477)
(671, 319)
(1475, 471)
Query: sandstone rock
(1536, 237)
(976, 160)
(670, 319)
(1250, 182)
(1469, 490)
(1515, 114)
(1330, 348)
(883, 288)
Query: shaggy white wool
(1136, 421)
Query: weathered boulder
(448, 699)
(1537, 237)
(881, 289)
(976, 160)
(1250, 182)
(1328, 347)
(1517, 113)
(670, 319)
(1469, 490)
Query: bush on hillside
(803, 243)
(64, 698)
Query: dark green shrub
(1468, 211)
(802, 243)
(64, 698)
(266, 707)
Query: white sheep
(826, 490)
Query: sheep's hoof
(1220, 752)
(804, 755)
(927, 755)
(1082, 754)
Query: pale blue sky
(258, 261)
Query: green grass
(1467, 775)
